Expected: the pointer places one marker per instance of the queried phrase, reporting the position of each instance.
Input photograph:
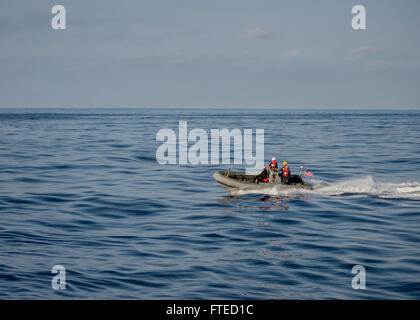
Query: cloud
(373, 58)
(256, 33)
(291, 53)
(363, 53)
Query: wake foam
(362, 186)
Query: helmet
(284, 163)
(273, 159)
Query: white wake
(362, 186)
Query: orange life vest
(286, 171)
(273, 164)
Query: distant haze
(196, 53)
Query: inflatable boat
(241, 181)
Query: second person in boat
(285, 173)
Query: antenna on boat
(301, 173)
(302, 169)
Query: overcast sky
(210, 53)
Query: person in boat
(262, 177)
(273, 170)
(273, 164)
(285, 173)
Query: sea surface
(82, 188)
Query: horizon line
(217, 107)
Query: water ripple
(82, 188)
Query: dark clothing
(261, 177)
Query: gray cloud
(364, 52)
(256, 33)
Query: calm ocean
(82, 188)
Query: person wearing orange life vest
(262, 177)
(273, 170)
(273, 164)
(285, 173)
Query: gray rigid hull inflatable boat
(239, 180)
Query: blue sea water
(82, 188)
